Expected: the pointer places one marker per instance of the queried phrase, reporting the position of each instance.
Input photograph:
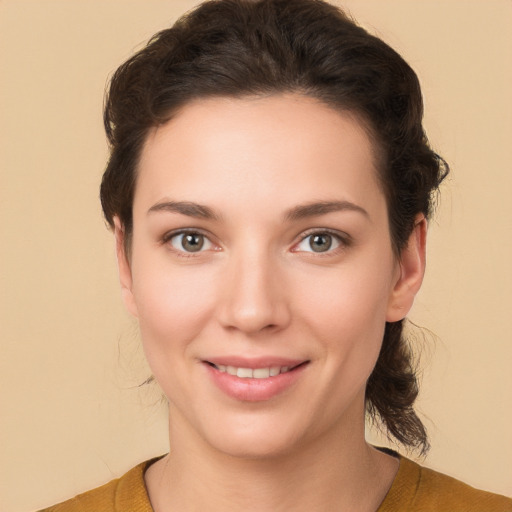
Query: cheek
(347, 310)
(359, 293)
(173, 306)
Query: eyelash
(167, 238)
(343, 240)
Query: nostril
(253, 311)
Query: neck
(334, 472)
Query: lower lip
(254, 390)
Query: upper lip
(254, 362)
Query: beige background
(72, 416)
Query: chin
(260, 447)
(254, 438)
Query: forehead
(283, 148)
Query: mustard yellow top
(415, 489)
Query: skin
(257, 289)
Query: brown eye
(190, 242)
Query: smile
(253, 373)
(254, 380)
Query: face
(262, 272)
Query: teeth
(274, 370)
(244, 373)
(249, 373)
(261, 373)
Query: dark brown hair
(238, 48)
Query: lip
(254, 362)
(252, 389)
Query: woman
(269, 186)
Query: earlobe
(412, 269)
(124, 268)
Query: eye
(189, 242)
(319, 242)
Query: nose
(253, 294)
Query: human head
(239, 48)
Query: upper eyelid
(341, 235)
(180, 231)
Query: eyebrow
(322, 208)
(188, 208)
(299, 212)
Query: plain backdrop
(72, 413)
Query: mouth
(256, 379)
(255, 373)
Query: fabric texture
(415, 489)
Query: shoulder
(421, 489)
(101, 499)
(125, 493)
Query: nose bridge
(254, 298)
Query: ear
(125, 271)
(411, 271)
